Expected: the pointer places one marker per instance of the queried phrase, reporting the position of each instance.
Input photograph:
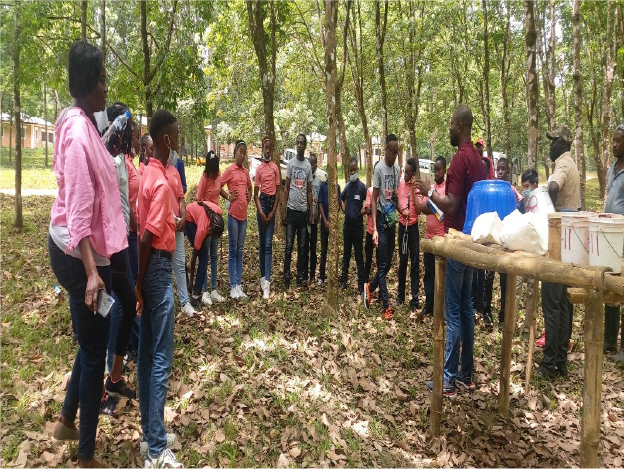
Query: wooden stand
(439, 345)
(506, 345)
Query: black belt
(161, 253)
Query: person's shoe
(195, 301)
(143, 445)
(488, 322)
(188, 310)
(266, 290)
(241, 292)
(216, 297)
(119, 389)
(618, 356)
(414, 307)
(62, 432)
(397, 304)
(541, 342)
(561, 370)
(545, 372)
(366, 296)
(108, 404)
(234, 293)
(388, 314)
(262, 283)
(166, 459)
(449, 391)
(206, 299)
(465, 384)
(90, 463)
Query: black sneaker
(449, 391)
(488, 322)
(195, 302)
(545, 372)
(465, 384)
(561, 370)
(119, 389)
(108, 404)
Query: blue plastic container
(490, 195)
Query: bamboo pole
(614, 283)
(593, 367)
(581, 296)
(531, 311)
(439, 345)
(506, 345)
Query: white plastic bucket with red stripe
(575, 240)
(606, 240)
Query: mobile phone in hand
(105, 302)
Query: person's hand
(248, 196)
(234, 195)
(94, 285)
(405, 213)
(139, 295)
(270, 217)
(375, 237)
(423, 187)
(180, 224)
(263, 217)
(326, 223)
(284, 219)
(310, 219)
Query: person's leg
(180, 271)
(214, 246)
(403, 265)
(242, 227)
(125, 294)
(386, 239)
(233, 241)
(428, 281)
(357, 240)
(453, 305)
(373, 285)
(368, 255)
(467, 324)
(324, 252)
(133, 256)
(202, 269)
(488, 296)
(262, 243)
(347, 254)
(268, 248)
(481, 279)
(313, 251)
(413, 246)
(612, 323)
(302, 246)
(145, 359)
(556, 315)
(503, 278)
(159, 299)
(288, 246)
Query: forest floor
(276, 383)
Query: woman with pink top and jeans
(86, 227)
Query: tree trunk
(83, 20)
(19, 221)
(546, 72)
(345, 154)
(103, 28)
(331, 14)
(11, 114)
(552, 66)
(577, 86)
(45, 118)
(531, 83)
(504, 87)
(57, 104)
(149, 109)
(380, 33)
(610, 66)
(486, 70)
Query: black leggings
(123, 289)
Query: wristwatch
(430, 192)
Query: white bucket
(574, 241)
(606, 240)
(539, 201)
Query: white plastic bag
(527, 232)
(486, 229)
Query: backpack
(216, 228)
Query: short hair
(305, 139)
(530, 175)
(112, 112)
(413, 164)
(212, 164)
(311, 155)
(353, 160)
(84, 65)
(463, 114)
(487, 161)
(441, 159)
(143, 147)
(391, 138)
(505, 160)
(159, 121)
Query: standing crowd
(119, 230)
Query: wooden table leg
(506, 345)
(531, 311)
(593, 368)
(439, 345)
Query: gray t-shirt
(614, 201)
(122, 180)
(315, 185)
(387, 180)
(300, 174)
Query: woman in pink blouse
(86, 227)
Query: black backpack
(216, 228)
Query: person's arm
(224, 194)
(325, 220)
(248, 193)
(309, 200)
(94, 282)
(447, 203)
(183, 179)
(200, 188)
(554, 191)
(276, 201)
(259, 208)
(416, 199)
(133, 221)
(183, 214)
(374, 214)
(145, 248)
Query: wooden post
(506, 345)
(593, 367)
(439, 345)
(530, 311)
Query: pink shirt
(239, 179)
(368, 205)
(134, 179)
(404, 191)
(175, 188)
(433, 227)
(88, 203)
(155, 207)
(209, 190)
(267, 177)
(197, 214)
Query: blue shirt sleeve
(183, 179)
(344, 194)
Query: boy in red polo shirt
(155, 293)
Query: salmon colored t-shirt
(175, 186)
(154, 208)
(404, 191)
(368, 205)
(196, 214)
(267, 177)
(433, 227)
(239, 179)
(208, 189)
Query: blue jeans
(133, 256)
(236, 239)
(265, 236)
(85, 384)
(386, 246)
(180, 271)
(296, 223)
(190, 230)
(459, 322)
(123, 312)
(156, 351)
(212, 245)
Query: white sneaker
(166, 459)
(206, 299)
(241, 292)
(188, 309)
(266, 291)
(143, 447)
(234, 293)
(215, 296)
(263, 282)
